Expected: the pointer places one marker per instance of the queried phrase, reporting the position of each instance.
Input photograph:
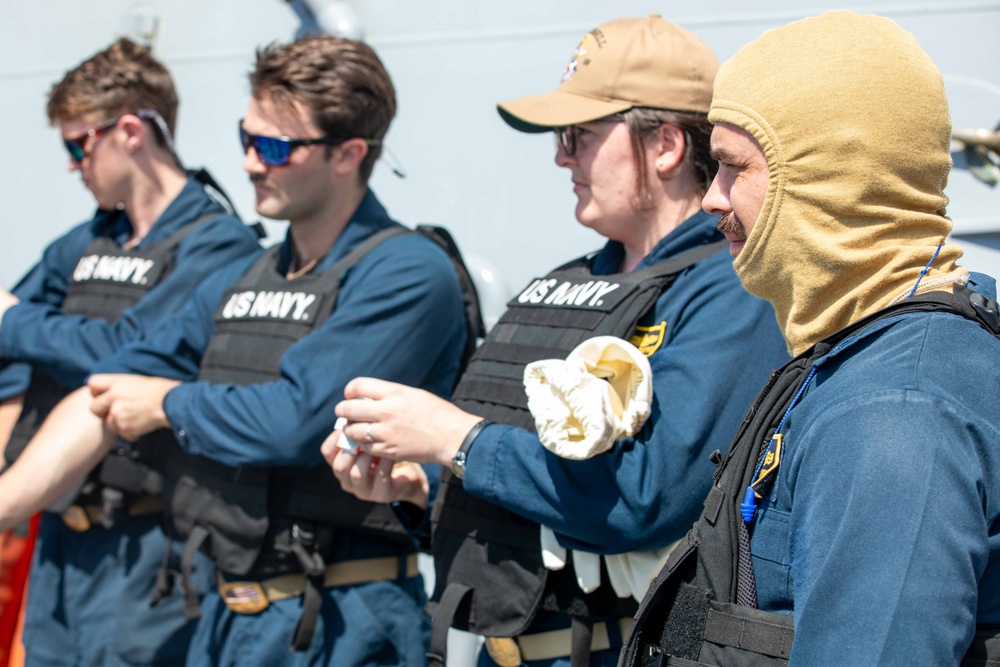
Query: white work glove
(629, 573)
(601, 392)
(586, 565)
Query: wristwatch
(458, 463)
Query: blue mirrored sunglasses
(276, 151)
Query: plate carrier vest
(106, 282)
(490, 576)
(268, 521)
(690, 615)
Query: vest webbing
(689, 615)
(487, 557)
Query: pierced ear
(350, 154)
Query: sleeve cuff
(8, 323)
(176, 423)
(484, 460)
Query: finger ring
(368, 433)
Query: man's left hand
(376, 480)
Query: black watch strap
(458, 463)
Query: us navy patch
(113, 268)
(649, 339)
(254, 304)
(552, 292)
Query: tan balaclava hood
(852, 117)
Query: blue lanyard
(767, 467)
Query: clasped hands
(130, 405)
(396, 430)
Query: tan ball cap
(621, 64)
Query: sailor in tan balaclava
(856, 518)
(852, 118)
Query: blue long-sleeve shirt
(39, 334)
(399, 317)
(882, 533)
(718, 347)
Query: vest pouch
(672, 613)
(739, 635)
(497, 550)
(231, 505)
(313, 494)
(134, 468)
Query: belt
(252, 597)
(82, 518)
(512, 651)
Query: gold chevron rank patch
(649, 339)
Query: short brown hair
(643, 122)
(341, 81)
(123, 78)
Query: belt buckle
(504, 651)
(76, 518)
(244, 597)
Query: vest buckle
(76, 518)
(244, 597)
(504, 651)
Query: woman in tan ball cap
(544, 555)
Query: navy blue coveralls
(88, 600)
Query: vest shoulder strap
(672, 265)
(215, 191)
(475, 327)
(441, 237)
(684, 260)
(269, 259)
(962, 301)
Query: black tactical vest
(106, 282)
(247, 518)
(490, 576)
(256, 321)
(690, 615)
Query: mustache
(257, 178)
(729, 224)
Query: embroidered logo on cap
(578, 55)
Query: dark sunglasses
(566, 136)
(75, 146)
(276, 151)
